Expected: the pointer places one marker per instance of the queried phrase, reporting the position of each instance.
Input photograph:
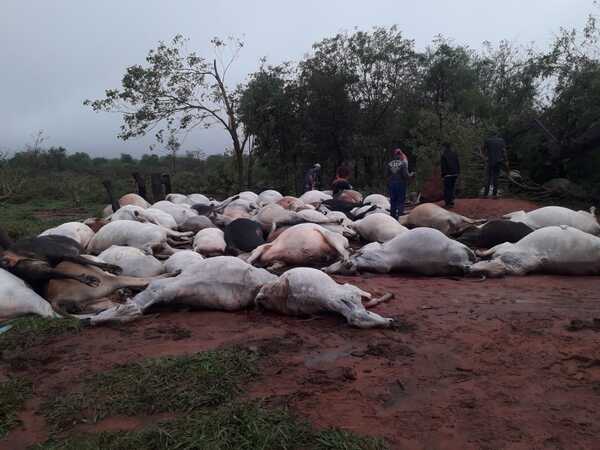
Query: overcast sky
(56, 53)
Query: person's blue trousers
(397, 198)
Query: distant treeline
(55, 174)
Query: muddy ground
(479, 365)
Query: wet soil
(61, 213)
(485, 364)
(482, 208)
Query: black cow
(493, 233)
(243, 236)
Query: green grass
(31, 331)
(239, 426)
(179, 384)
(203, 391)
(19, 220)
(13, 394)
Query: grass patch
(13, 394)
(240, 426)
(30, 331)
(179, 384)
(23, 219)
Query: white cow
(314, 197)
(424, 251)
(133, 261)
(77, 231)
(180, 212)
(17, 299)
(182, 260)
(223, 283)
(210, 242)
(557, 215)
(267, 197)
(378, 227)
(306, 291)
(179, 199)
(145, 236)
(381, 201)
(558, 250)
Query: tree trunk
(238, 154)
(158, 192)
(166, 180)
(140, 183)
(111, 198)
(249, 174)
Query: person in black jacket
(495, 154)
(450, 166)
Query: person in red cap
(341, 182)
(398, 177)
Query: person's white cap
(318, 165)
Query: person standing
(450, 167)
(398, 177)
(494, 149)
(311, 178)
(341, 182)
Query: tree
(177, 91)
(126, 158)
(270, 111)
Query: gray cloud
(57, 53)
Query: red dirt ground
(483, 365)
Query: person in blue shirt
(398, 178)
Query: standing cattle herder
(450, 167)
(494, 149)
(398, 177)
(311, 178)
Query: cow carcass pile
(274, 252)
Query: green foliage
(13, 394)
(31, 331)
(29, 219)
(361, 94)
(177, 91)
(240, 426)
(179, 384)
(351, 101)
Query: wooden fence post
(158, 192)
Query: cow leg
(333, 240)
(377, 301)
(186, 235)
(277, 265)
(287, 223)
(257, 253)
(111, 268)
(69, 307)
(56, 274)
(341, 268)
(485, 253)
(175, 243)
